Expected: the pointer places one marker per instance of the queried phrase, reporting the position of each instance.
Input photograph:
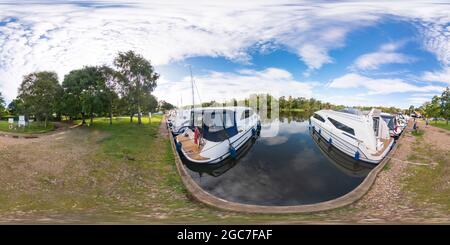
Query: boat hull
(349, 149)
(222, 149)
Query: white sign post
(22, 121)
(11, 123)
(150, 118)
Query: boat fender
(253, 131)
(330, 141)
(233, 152)
(170, 124)
(356, 155)
(258, 126)
(178, 146)
(320, 131)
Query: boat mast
(192, 89)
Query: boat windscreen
(351, 111)
(389, 121)
(219, 125)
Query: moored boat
(393, 124)
(363, 136)
(217, 133)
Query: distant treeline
(294, 104)
(89, 92)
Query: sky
(352, 53)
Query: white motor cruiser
(395, 128)
(179, 121)
(363, 136)
(216, 133)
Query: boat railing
(346, 144)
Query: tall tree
(445, 104)
(434, 107)
(39, 92)
(138, 78)
(110, 86)
(2, 105)
(84, 93)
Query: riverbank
(126, 173)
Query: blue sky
(352, 53)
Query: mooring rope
(414, 163)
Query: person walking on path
(426, 122)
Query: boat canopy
(217, 124)
(351, 111)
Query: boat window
(389, 121)
(246, 114)
(318, 117)
(342, 126)
(219, 127)
(376, 125)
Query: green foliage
(39, 93)
(438, 107)
(85, 92)
(137, 79)
(2, 105)
(164, 106)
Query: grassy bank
(31, 128)
(103, 173)
(440, 124)
(429, 184)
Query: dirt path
(388, 200)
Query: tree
(445, 104)
(138, 79)
(150, 103)
(2, 105)
(16, 107)
(434, 109)
(39, 93)
(164, 106)
(85, 93)
(109, 86)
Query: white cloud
(437, 76)
(379, 86)
(66, 36)
(224, 86)
(418, 100)
(385, 55)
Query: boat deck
(386, 144)
(192, 150)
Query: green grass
(418, 133)
(430, 184)
(31, 128)
(124, 173)
(440, 124)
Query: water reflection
(220, 168)
(345, 163)
(291, 168)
